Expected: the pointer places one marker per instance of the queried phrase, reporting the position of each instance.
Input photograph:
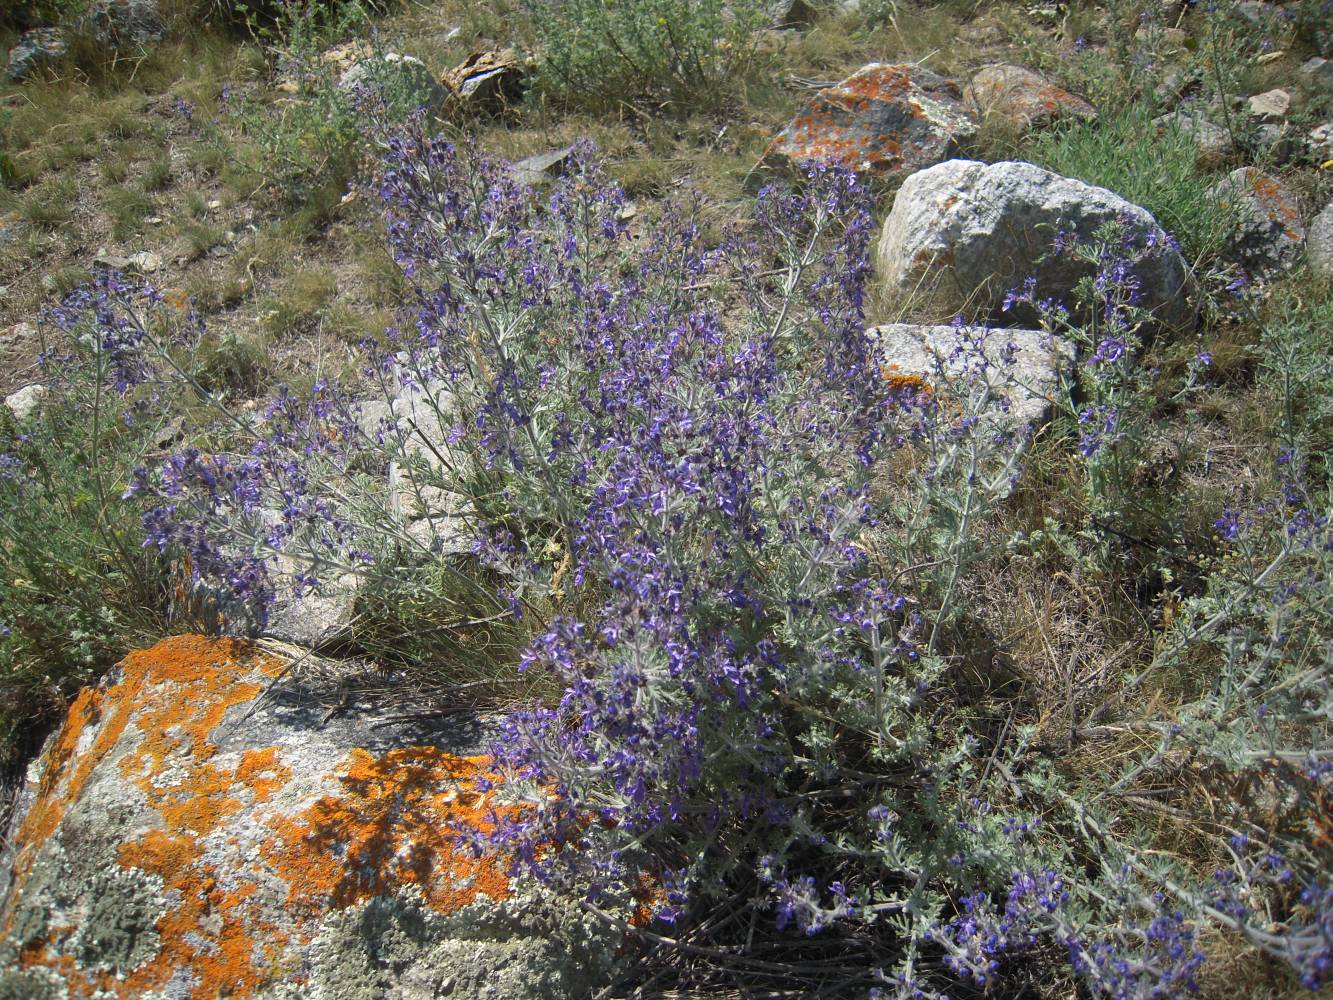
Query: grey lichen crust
(113, 912)
(531, 946)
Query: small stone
(1270, 107)
(535, 170)
(1319, 72)
(1278, 141)
(1040, 370)
(214, 205)
(1213, 140)
(145, 261)
(23, 402)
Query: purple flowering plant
(735, 551)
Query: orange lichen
(1278, 206)
(904, 381)
(387, 826)
(831, 127)
(391, 827)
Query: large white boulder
(962, 234)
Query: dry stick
(682, 946)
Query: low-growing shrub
(77, 588)
(692, 54)
(730, 549)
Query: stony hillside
(591, 498)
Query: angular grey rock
(1267, 235)
(1213, 140)
(412, 424)
(538, 169)
(36, 49)
(1319, 72)
(1022, 98)
(1033, 368)
(122, 24)
(962, 234)
(881, 120)
(396, 77)
(1319, 243)
(1270, 107)
(26, 400)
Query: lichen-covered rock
(1022, 98)
(122, 24)
(206, 825)
(1268, 235)
(881, 120)
(962, 234)
(36, 49)
(1319, 243)
(1029, 369)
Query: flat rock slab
(1022, 98)
(962, 234)
(1029, 368)
(204, 826)
(1268, 236)
(883, 119)
(1319, 243)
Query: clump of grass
(197, 238)
(128, 208)
(231, 364)
(64, 280)
(687, 53)
(49, 206)
(156, 174)
(77, 587)
(1126, 153)
(302, 303)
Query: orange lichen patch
(243, 882)
(173, 695)
(392, 827)
(874, 120)
(904, 381)
(1277, 205)
(649, 897)
(200, 667)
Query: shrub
(77, 588)
(734, 547)
(593, 54)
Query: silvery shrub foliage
(735, 545)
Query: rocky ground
(280, 835)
